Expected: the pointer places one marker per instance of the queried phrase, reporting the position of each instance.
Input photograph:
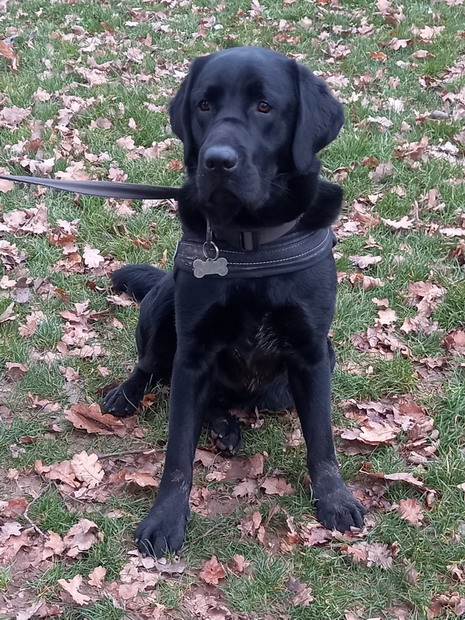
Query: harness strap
(293, 252)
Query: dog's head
(250, 118)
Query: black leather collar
(292, 252)
(253, 239)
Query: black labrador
(243, 319)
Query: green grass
(52, 49)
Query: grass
(56, 44)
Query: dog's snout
(220, 158)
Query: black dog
(243, 319)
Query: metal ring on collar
(213, 246)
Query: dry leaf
(371, 554)
(81, 537)
(212, 571)
(72, 587)
(91, 419)
(276, 486)
(240, 563)
(411, 510)
(87, 469)
(365, 261)
(92, 257)
(97, 576)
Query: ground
(84, 88)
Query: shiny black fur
(251, 121)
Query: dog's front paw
(162, 530)
(225, 432)
(122, 401)
(339, 510)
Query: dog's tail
(136, 280)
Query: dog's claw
(226, 433)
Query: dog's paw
(339, 510)
(122, 401)
(226, 433)
(162, 531)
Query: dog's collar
(248, 240)
(293, 252)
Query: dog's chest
(256, 354)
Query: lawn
(84, 88)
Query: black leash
(102, 188)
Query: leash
(106, 189)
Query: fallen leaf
(72, 587)
(454, 342)
(81, 536)
(403, 224)
(365, 261)
(91, 419)
(212, 571)
(6, 50)
(13, 507)
(87, 468)
(302, 593)
(276, 486)
(92, 257)
(371, 554)
(97, 576)
(240, 563)
(411, 510)
(382, 170)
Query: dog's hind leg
(156, 344)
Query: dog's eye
(204, 106)
(264, 107)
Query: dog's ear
(181, 113)
(319, 118)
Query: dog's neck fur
(314, 202)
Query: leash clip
(217, 265)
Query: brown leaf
(13, 507)
(87, 468)
(81, 537)
(120, 300)
(92, 257)
(212, 571)
(54, 545)
(90, 419)
(365, 261)
(400, 477)
(62, 472)
(97, 576)
(411, 510)
(240, 563)
(276, 486)
(303, 594)
(371, 554)
(247, 488)
(72, 587)
(366, 282)
(403, 224)
(386, 317)
(6, 50)
(454, 342)
(7, 314)
(141, 479)
(381, 171)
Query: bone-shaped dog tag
(210, 266)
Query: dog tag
(210, 266)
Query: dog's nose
(220, 158)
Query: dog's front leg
(163, 528)
(311, 389)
